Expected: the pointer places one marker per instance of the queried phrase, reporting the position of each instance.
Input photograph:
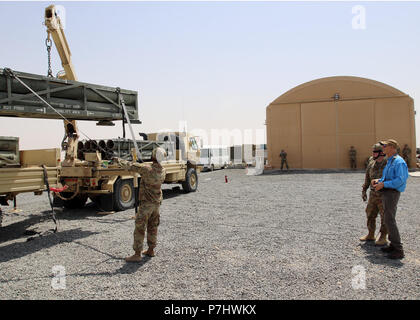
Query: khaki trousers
(147, 218)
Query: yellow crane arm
(55, 29)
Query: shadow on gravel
(131, 267)
(17, 230)
(172, 193)
(21, 249)
(375, 256)
(127, 268)
(89, 210)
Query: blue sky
(216, 65)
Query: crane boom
(55, 29)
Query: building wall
(317, 131)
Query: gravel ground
(284, 236)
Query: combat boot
(369, 237)
(134, 258)
(381, 241)
(149, 252)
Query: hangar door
(330, 128)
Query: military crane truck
(89, 174)
(113, 188)
(74, 180)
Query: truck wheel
(77, 202)
(106, 202)
(124, 195)
(191, 181)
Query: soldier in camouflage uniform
(352, 156)
(368, 159)
(406, 154)
(283, 156)
(374, 171)
(150, 195)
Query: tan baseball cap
(390, 142)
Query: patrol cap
(159, 154)
(390, 142)
(377, 147)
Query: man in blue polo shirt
(392, 183)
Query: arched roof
(347, 87)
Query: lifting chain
(48, 43)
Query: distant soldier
(374, 171)
(283, 156)
(150, 195)
(406, 154)
(352, 156)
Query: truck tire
(77, 202)
(124, 196)
(191, 181)
(105, 202)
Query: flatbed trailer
(35, 167)
(29, 179)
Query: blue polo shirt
(395, 174)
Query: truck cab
(214, 157)
(185, 146)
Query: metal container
(72, 99)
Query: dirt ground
(281, 236)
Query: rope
(49, 197)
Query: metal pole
(131, 128)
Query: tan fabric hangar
(318, 121)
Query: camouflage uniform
(374, 171)
(352, 156)
(150, 196)
(367, 162)
(406, 154)
(283, 156)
